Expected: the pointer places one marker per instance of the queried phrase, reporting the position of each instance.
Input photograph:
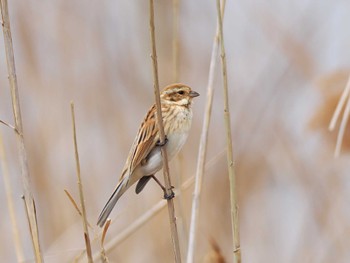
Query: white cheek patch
(182, 102)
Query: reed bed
(286, 72)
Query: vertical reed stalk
(103, 256)
(231, 170)
(171, 209)
(8, 190)
(202, 151)
(147, 216)
(81, 192)
(27, 191)
(176, 40)
(202, 155)
(183, 231)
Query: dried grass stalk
(341, 104)
(27, 191)
(81, 192)
(181, 220)
(168, 188)
(10, 204)
(202, 151)
(152, 212)
(231, 170)
(103, 256)
(8, 125)
(71, 199)
(176, 64)
(138, 223)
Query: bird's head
(178, 94)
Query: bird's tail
(118, 192)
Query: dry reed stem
(176, 64)
(231, 170)
(80, 186)
(202, 151)
(183, 232)
(133, 227)
(9, 197)
(181, 218)
(340, 106)
(153, 211)
(70, 197)
(342, 128)
(345, 118)
(105, 229)
(168, 188)
(9, 125)
(28, 196)
(103, 256)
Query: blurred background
(288, 64)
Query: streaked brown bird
(145, 158)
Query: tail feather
(142, 183)
(118, 192)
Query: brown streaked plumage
(144, 158)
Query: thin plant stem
(181, 219)
(176, 64)
(149, 214)
(183, 231)
(138, 223)
(340, 106)
(71, 199)
(345, 95)
(103, 256)
(202, 152)
(231, 170)
(8, 125)
(152, 212)
(27, 191)
(342, 128)
(168, 188)
(10, 204)
(81, 192)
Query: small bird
(145, 158)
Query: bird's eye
(181, 92)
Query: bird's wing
(144, 142)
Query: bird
(145, 159)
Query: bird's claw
(170, 196)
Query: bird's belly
(154, 159)
(175, 143)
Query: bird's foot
(171, 195)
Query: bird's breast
(175, 143)
(178, 120)
(176, 130)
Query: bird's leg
(159, 183)
(162, 143)
(166, 196)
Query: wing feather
(144, 142)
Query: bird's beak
(194, 94)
